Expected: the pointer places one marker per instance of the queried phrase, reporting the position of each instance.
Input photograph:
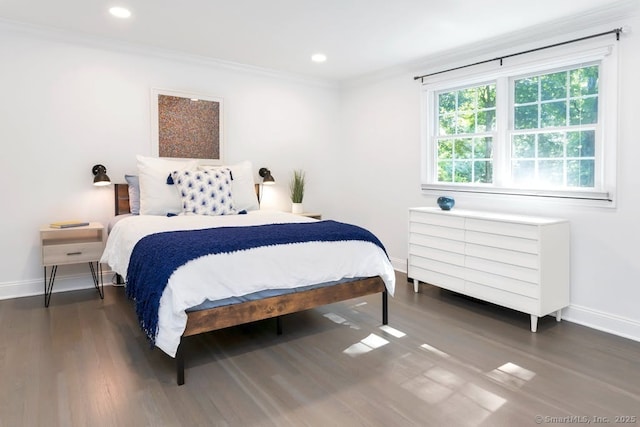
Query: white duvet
(220, 276)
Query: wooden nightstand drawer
(71, 253)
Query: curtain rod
(615, 31)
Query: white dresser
(515, 261)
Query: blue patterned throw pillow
(206, 192)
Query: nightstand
(311, 215)
(74, 245)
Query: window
(531, 130)
(553, 137)
(466, 122)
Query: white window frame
(606, 134)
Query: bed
(217, 290)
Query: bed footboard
(237, 314)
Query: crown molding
(91, 41)
(614, 14)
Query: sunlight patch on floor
(463, 402)
(335, 318)
(459, 410)
(428, 390)
(517, 371)
(434, 350)
(357, 349)
(374, 341)
(392, 331)
(444, 377)
(365, 345)
(512, 374)
(489, 401)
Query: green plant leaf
(296, 186)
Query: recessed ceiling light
(319, 57)
(120, 12)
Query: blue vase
(446, 203)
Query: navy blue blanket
(157, 256)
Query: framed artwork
(187, 125)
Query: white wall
(382, 129)
(66, 105)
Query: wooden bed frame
(237, 314)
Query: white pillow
(205, 192)
(242, 186)
(156, 196)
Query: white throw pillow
(156, 196)
(205, 192)
(242, 186)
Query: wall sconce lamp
(267, 179)
(100, 175)
(266, 176)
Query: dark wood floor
(447, 361)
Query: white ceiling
(358, 36)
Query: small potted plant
(296, 187)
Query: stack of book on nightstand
(68, 224)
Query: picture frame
(187, 125)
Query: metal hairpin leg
(48, 285)
(96, 273)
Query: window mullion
(502, 137)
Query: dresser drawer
(441, 280)
(512, 243)
(437, 243)
(437, 255)
(515, 286)
(437, 266)
(71, 253)
(526, 231)
(436, 230)
(503, 298)
(440, 219)
(505, 256)
(502, 269)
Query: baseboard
(63, 283)
(606, 322)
